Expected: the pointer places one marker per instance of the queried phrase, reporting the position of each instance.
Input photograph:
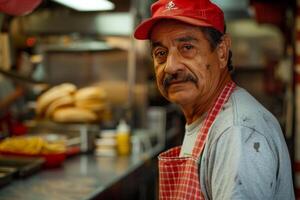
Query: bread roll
(61, 102)
(74, 114)
(91, 105)
(90, 93)
(53, 94)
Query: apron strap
(210, 118)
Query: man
(15, 8)
(233, 147)
(9, 94)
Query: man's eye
(160, 54)
(187, 47)
(187, 50)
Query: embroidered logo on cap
(171, 6)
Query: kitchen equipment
(6, 175)
(49, 160)
(20, 166)
(80, 135)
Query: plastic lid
(123, 127)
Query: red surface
(52, 160)
(71, 151)
(18, 7)
(297, 78)
(272, 13)
(297, 169)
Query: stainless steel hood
(54, 19)
(61, 22)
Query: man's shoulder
(243, 110)
(248, 112)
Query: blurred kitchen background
(87, 46)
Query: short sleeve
(242, 165)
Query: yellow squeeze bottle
(123, 138)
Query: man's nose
(173, 64)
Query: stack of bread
(66, 103)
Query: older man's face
(187, 69)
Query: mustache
(178, 77)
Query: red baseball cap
(194, 12)
(18, 7)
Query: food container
(6, 175)
(20, 166)
(78, 134)
(45, 160)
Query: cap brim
(142, 32)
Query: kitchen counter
(88, 176)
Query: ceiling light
(87, 5)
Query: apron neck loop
(210, 118)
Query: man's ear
(223, 50)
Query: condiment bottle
(123, 138)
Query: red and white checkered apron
(179, 176)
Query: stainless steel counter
(81, 177)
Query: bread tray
(23, 166)
(49, 160)
(6, 175)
